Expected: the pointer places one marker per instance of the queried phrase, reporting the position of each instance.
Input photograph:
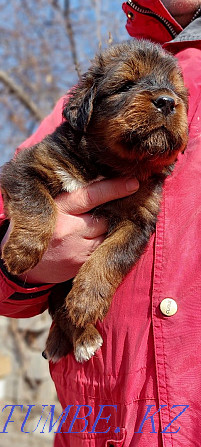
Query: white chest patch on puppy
(69, 183)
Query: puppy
(127, 117)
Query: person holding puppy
(143, 386)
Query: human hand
(77, 234)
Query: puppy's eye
(125, 87)
(116, 90)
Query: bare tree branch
(98, 21)
(69, 30)
(21, 95)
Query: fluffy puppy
(127, 117)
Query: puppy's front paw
(20, 256)
(87, 344)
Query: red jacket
(143, 386)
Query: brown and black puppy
(127, 117)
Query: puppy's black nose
(165, 104)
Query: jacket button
(168, 307)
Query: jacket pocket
(91, 439)
(118, 439)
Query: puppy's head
(132, 104)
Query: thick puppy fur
(127, 117)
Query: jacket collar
(189, 37)
(192, 32)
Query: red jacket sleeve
(16, 299)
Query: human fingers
(87, 198)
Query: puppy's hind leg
(58, 345)
(65, 336)
(85, 343)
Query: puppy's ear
(79, 109)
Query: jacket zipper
(148, 12)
